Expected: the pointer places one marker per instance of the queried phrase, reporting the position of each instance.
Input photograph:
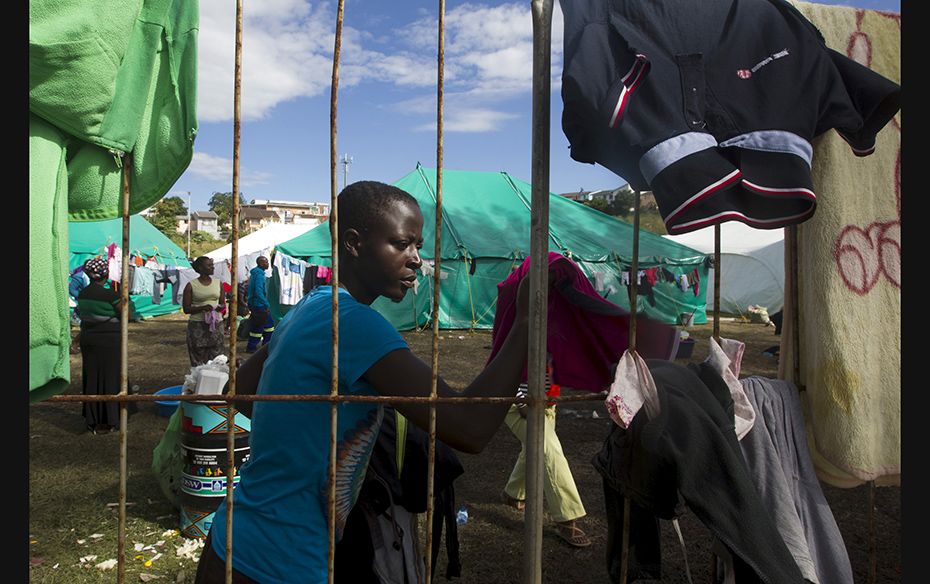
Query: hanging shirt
(704, 107)
(290, 273)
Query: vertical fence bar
(539, 290)
(437, 248)
(123, 374)
(334, 238)
(230, 406)
(634, 291)
(717, 276)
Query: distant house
(647, 199)
(205, 221)
(181, 229)
(252, 218)
(290, 212)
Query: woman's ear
(351, 241)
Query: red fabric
(584, 344)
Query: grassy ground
(74, 482)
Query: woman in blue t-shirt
(281, 531)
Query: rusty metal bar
(123, 374)
(872, 547)
(334, 237)
(437, 267)
(385, 399)
(791, 255)
(634, 291)
(539, 290)
(230, 411)
(717, 281)
(634, 270)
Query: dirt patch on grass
(74, 480)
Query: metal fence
(536, 400)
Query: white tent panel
(258, 243)
(751, 264)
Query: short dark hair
(196, 264)
(363, 204)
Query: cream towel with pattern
(849, 275)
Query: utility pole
(188, 224)
(346, 161)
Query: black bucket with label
(203, 449)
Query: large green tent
(486, 232)
(87, 239)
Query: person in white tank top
(204, 300)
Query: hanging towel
(849, 270)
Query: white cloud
(218, 169)
(287, 50)
(470, 121)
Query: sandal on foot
(517, 504)
(572, 534)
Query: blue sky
(387, 95)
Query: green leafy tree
(222, 205)
(165, 218)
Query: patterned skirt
(204, 344)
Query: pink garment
(212, 318)
(586, 334)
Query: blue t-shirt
(280, 527)
(256, 297)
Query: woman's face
(389, 254)
(206, 268)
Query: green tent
(486, 232)
(87, 239)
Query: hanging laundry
(290, 278)
(142, 280)
(688, 453)
(652, 276)
(586, 334)
(695, 281)
(683, 283)
(779, 462)
(713, 124)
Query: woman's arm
(187, 298)
(468, 427)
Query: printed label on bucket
(205, 486)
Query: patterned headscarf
(97, 269)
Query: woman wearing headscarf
(99, 308)
(204, 301)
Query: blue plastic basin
(167, 407)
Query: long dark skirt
(202, 344)
(100, 372)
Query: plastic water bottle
(461, 518)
